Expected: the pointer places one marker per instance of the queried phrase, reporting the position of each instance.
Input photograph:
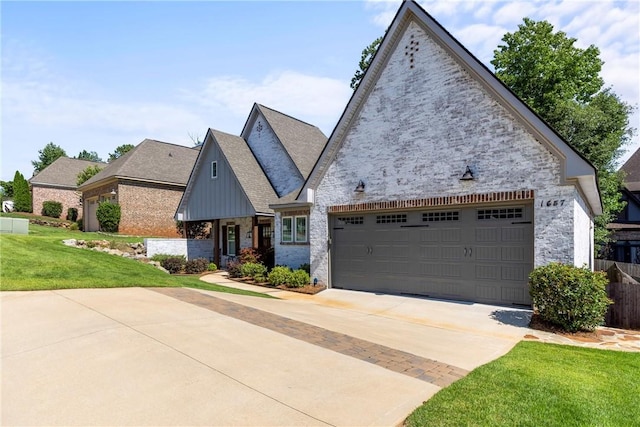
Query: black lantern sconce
(360, 187)
(468, 175)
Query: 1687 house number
(549, 203)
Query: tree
(120, 151)
(21, 194)
(87, 173)
(89, 155)
(49, 154)
(562, 84)
(7, 189)
(365, 61)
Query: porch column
(216, 242)
(255, 238)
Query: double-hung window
(294, 229)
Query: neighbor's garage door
(479, 254)
(91, 219)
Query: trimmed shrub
(254, 270)
(173, 264)
(212, 267)
(570, 297)
(196, 266)
(80, 224)
(74, 226)
(233, 268)
(108, 216)
(306, 267)
(72, 214)
(161, 257)
(298, 279)
(52, 209)
(279, 275)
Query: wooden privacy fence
(624, 292)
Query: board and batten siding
(425, 120)
(220, 197)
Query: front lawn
(40, 261)
(540, 384)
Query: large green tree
(6, 187)
(49, 154)
(87, 173)
(89, 155)
(120, 151)
(21, 194)
(365, 60)
(562, 84)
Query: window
(441, 216)
(231, 241)
(391, 219)
(289, 234)
(352, 220)
(214, 169)
(500, 213)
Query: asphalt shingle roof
(153, 161)
(247, 170)
(303, 142)
(63, 172)
(632, 168)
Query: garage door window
(351, 220)
(441, 216)
(391, 219)
(500, 213)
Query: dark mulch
(309, 289)
(542, 325)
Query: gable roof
(245, 167)
(63, 172)
(632, 170)
(302, 141)
(150, 161)
(575, 168)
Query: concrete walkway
(187, 357)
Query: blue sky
(96, 75)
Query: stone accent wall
(147, 209)
(423, 123)
(68, 197)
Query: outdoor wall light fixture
(468, 175)
(113, 192)
(249, 234)
(360, 187)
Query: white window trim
(306, 229)
(292, 229)
(231, 249)
(215, 162)
(294, 233)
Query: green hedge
(52, 209)
(108, 216)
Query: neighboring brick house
(57, 182)
(236, 178)
(439, 181)
(147, 182)
(626, 228)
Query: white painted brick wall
(189, 248)
(273, 158)
(414, 137)
(291, 255)
(583, 240)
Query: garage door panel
(473, 253)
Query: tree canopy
(120, 151)
(87, 173)
(365, 60)
(7, 189)
(562, 84)
(49, 154)
(89, 155)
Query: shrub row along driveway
(175, 357)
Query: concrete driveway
(171, 356)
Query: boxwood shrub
(51, 209)
(255, 270)
(279, 275)
(571, 297)
(108, 216)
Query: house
(236, 178)
(58, 182)
(439, 181)
(147, 182)
(626, 228)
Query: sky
(96, 75)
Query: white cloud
(315, 99)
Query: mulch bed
(592, 336)
(309, 289)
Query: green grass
(39, 261)
(540, 384)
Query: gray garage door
(479, 254)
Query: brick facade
(148, 210)
(422, 124)
(69, 198)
